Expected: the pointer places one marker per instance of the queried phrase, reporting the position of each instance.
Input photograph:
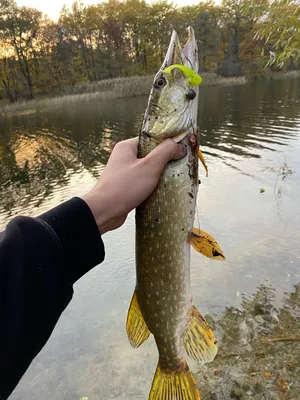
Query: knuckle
(119, 147)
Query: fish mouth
(186, 55)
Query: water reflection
(40, 151)
(242, 121)
(248, 132)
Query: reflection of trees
(240, 120)
(30, 165)
(41, 151)
(247, 365)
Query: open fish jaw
(170, 112)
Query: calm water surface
(250, 137)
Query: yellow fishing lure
(193, 78)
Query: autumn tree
(19, 27)
(281, 29)
(119, 38)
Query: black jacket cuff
(79, 236)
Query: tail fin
(174, 385)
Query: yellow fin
(205, 244)
(201, 158)
(198, 338)
(174, 385)
(137, 329)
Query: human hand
(127, 181)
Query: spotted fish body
(163, 224)
(162, 302)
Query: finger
(164, 152)
(125, 150)
(131, 144)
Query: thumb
(164, 152)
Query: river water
(249, 203)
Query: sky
(53, 7)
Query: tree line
(118, 38)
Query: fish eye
(190, 94)
(160, 82)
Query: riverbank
(110, 89)
(259, 346)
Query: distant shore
(127, 87)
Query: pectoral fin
(198, 338)
(137, 329)
(205, 244)
(201, 158)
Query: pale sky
(53, 7)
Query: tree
(119, 38)
(137, 22)
(281, 29)
(19, 27)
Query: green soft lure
(193, 78)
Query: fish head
(175, 87)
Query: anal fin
(198, 338)
(206, 244)
(137, 329)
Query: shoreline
(127, 87)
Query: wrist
(103, 210)
(97, 205)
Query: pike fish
(162, 301)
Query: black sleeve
(40, 259)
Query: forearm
(40, 259)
